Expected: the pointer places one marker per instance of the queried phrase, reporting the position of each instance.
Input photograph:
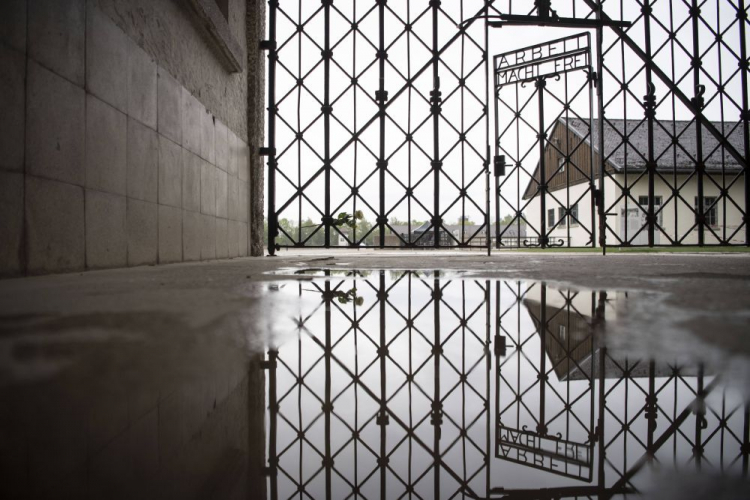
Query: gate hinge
(267, 45)
(268, 364)
(267, 151)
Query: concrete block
(244, 208)
(233, 239)
(222, 232)
(208, 237)
(55, 127)
(221, 193)
(191, 181)
(169, 106)
(208, 138)
(12, 104)
(107, 49)
(11, 223)
(221, 146)
(142, 162)
(208, 189)
(170, 173)
(56, 36)
(106, 231)
(243, 242)
(54, 226)
(234, 154)
(13, 24)
(141, 86)
(106, 147)
(142, 220)
(243, 160)
(192, 113)
(170, 234)
(191, 235)
(233, 198)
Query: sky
(462, 107)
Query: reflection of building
(568, 167)
(571, 340)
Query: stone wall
(124, 139)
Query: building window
(562, 332)
(550, 217)
(712, 215)
(561, 165)
(643, 201)
(574, 215)
(561, 216)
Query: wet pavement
(380, 377)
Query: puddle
(398, 384)
(377, 384)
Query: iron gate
(378, 124)
(379, 131)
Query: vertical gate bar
(699, 166)
(328, 405)
(592, 182)
(383, 399)
(602, 390)
(745, 112)
(273, 459)
(540, 84)
(436, 404)
(496, 141)
(354, 124)
(272, 224)
(600, 130)
(651, 409)
(541, 427)
(746, 440)
(699, 418)
(488, 366)
(409, 131)
(435, 101)
(496, 352)
(650, 103)
(327, 119)
(381, 106)
(487, 161)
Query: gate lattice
(379, 109)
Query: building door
(543, 159)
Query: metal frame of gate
(676, 72)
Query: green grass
(615, 250)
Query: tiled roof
(626, 142)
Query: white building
(568, 160)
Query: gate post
(272, 223)
(540, 84)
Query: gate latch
(499, 162)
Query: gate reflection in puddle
(421, 385)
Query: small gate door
(544, 165)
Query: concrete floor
(103, 384)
